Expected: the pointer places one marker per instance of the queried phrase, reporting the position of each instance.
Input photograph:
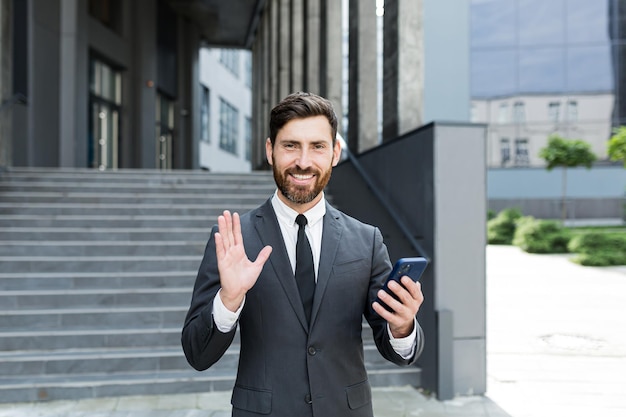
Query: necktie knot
(301, 220)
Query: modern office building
(225, 109)
(546, 67)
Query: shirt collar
(288, 215)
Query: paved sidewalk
(556, 335)
(556, 346)
(388, 402)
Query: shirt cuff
(404, 346)
(225, 320)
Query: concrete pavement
(556, 346)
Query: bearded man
(297, 276)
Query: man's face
(302, 159)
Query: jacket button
(312, 351)
(307, 399)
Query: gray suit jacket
(287, 367)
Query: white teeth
(302, 177)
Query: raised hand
(237, 273)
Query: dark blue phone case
(413, 267)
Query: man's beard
(300, 194)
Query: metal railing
(384, 202)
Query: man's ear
(336, 152)
(268, 151)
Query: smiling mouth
(302, 177)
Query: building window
(107, 12)
(554, 108)
(519, 115)
(105, 105)
(248, 138)
(230, 59)
(572, 110)
(505, 151)
(229, 116)
(503, 113)
(204, 115)
(521, 152)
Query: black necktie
(305, 272)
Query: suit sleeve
(202, 342)
(381, 267)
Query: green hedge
(501, 228)
(541, 236)
(599, 249)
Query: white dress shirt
(226, 320)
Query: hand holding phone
(411, 267)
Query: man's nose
(304, 159)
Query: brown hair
(299, 106)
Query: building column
(6, 82)
(68, 76)
(262, 97)
(144, 63)
(284, 48)
(331, 56)
(312, 46)
(296, 79)
(403, 67)
(363, 80)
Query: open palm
(237, 273)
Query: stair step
(97, 263)
(104, 234)
(93, 317)
(97, 248)
(47, 299)
(89, 338)
(108, 221)
(78, 280)
(132, 198)
(209, 210)
(55, 387)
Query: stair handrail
(384, 202)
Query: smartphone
(412, 267)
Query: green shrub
(601, 258)
(490, 214)
(541, 236)
(501, 228)
(599, 249)
(592, 242)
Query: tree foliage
(617, 145)
(567, 153)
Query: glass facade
(229, 127)
(105, 104)
(555, 65)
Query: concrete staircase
(96, 274)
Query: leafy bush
(501, 228)
(599, 249)
(601, 258)
(491, 214)
(541, 236)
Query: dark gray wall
(435, 182)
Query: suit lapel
(331, 235)
(269, 232)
